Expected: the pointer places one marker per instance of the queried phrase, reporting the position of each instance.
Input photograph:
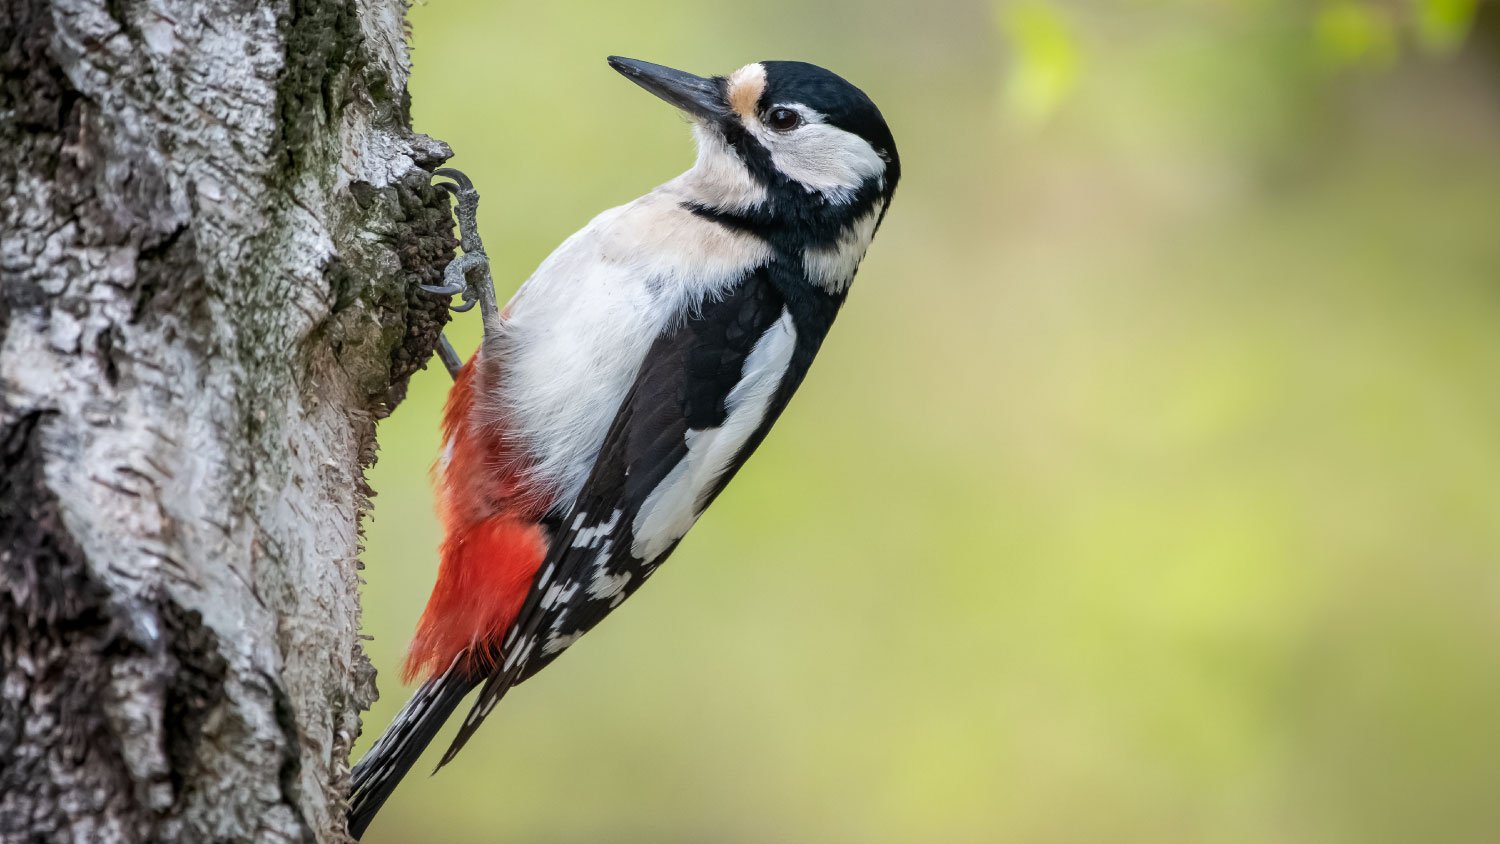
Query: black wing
(686, 386)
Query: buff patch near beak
(744, 89)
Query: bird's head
(780, 134)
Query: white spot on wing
(589, 537)
(676, 503)
(611, 586)
(556, 643)
(559, 593)
(527, 645)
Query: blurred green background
(1148, 488)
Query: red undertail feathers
(492, 542)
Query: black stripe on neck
(792, 219)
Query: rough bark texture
(213, 216)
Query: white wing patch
(677, 502)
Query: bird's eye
(783, 119)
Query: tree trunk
(213, 215)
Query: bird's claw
(456, 275)
(444, 289)
(460, 181)
(469, 298)
(452, 289)
(466, 305)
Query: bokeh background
(1148, 489)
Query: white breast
(575, 334)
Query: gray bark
(213, 215)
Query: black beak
(693, 94)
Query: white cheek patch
(822, 157)
(832, 268)
(672, 508)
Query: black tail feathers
(382, 768)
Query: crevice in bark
(55, 635)
(42, 570)
(196, 687)
(291, 758)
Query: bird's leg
(457, 277)
(449, 356)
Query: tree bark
(213, 216)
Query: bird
(629, 379)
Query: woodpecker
(629, 379)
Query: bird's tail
(378, 773)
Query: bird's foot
(456, 278)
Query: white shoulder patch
(672, 508)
